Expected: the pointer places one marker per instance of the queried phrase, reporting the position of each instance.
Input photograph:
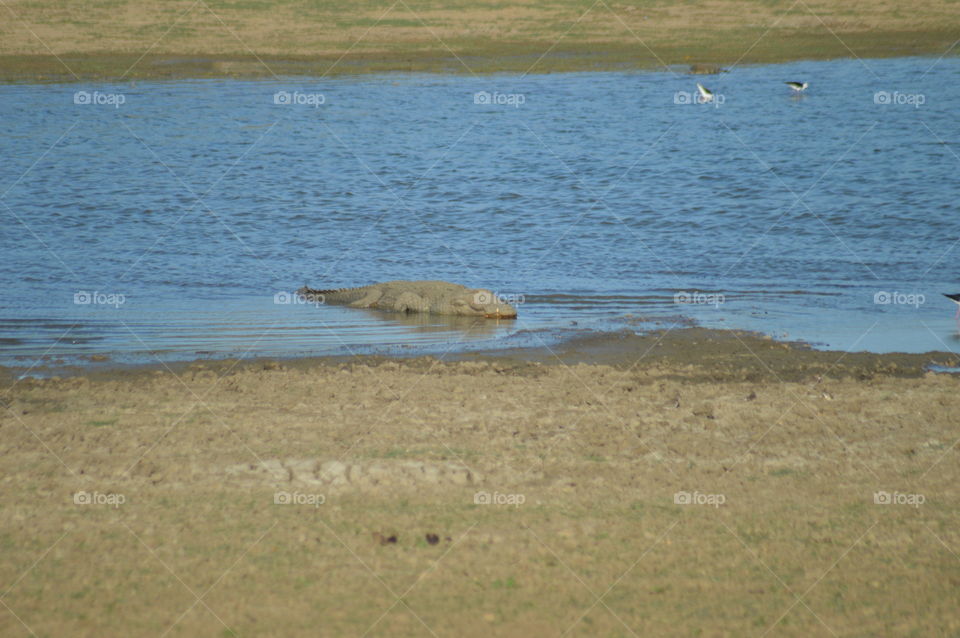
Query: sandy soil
(339, 497)
(51, 40)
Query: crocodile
(435, 297)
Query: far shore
(121, 67)
(56, 41)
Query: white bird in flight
(799, 87)
(706, 95)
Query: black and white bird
(705, 94)
(799, 87)
(955, 299)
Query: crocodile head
(482, 303)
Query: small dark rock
(385, 540)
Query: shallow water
(599, 198)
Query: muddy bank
(722, 355)
(717, 355)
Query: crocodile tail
(317, 291)
(310, 294)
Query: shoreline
(105, 67)
(719, 353)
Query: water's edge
(688, 345)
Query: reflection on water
(473, 327)
(600, 197)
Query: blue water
(599, 198)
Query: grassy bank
(54, 40)
(783, 492)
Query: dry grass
(597, 453)
(222, 38)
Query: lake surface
(166, 220)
